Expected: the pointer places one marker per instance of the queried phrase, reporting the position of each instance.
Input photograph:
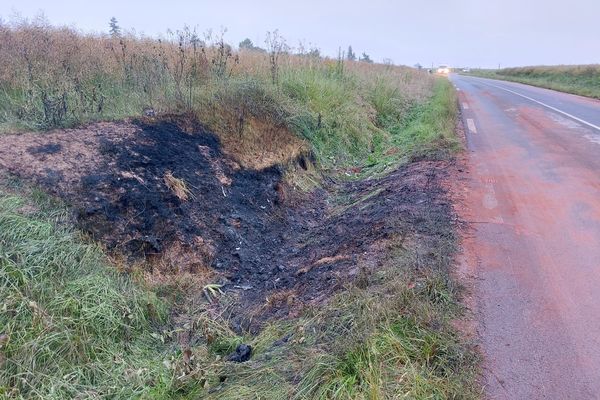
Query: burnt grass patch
(277, 250)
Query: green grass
(583, 80)
(425, 129)
(327, 110)
(103, 98)
(73, 326)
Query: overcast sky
(476, 33)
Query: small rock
(242, 354)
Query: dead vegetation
(266, 107)
(178, 186)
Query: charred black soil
(278, 249)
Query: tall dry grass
(53, 76)
(57, 76)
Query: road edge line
(547, 106)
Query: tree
(115, 29)
(351, 56)
(365, 57)
(246, 44)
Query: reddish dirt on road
(533, 200)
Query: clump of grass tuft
(417, 130)
(330, 114)
(177, 186)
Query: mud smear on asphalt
(275, 249)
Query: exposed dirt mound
(255, 142)
(164, 192)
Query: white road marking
(548, 106)
(465, 106)
(471, 125)
(489, 199)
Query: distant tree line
(247, 44)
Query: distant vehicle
(466, 70)
(443, 69)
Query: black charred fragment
(241, 354)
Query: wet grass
(71, 324)
(425, 130)
(583, 80)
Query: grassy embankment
(72, 326)
(583, 80)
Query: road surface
(534, 202)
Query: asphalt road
(533, 197)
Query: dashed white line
(548, 106)
(471, 125)
(465, 106)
